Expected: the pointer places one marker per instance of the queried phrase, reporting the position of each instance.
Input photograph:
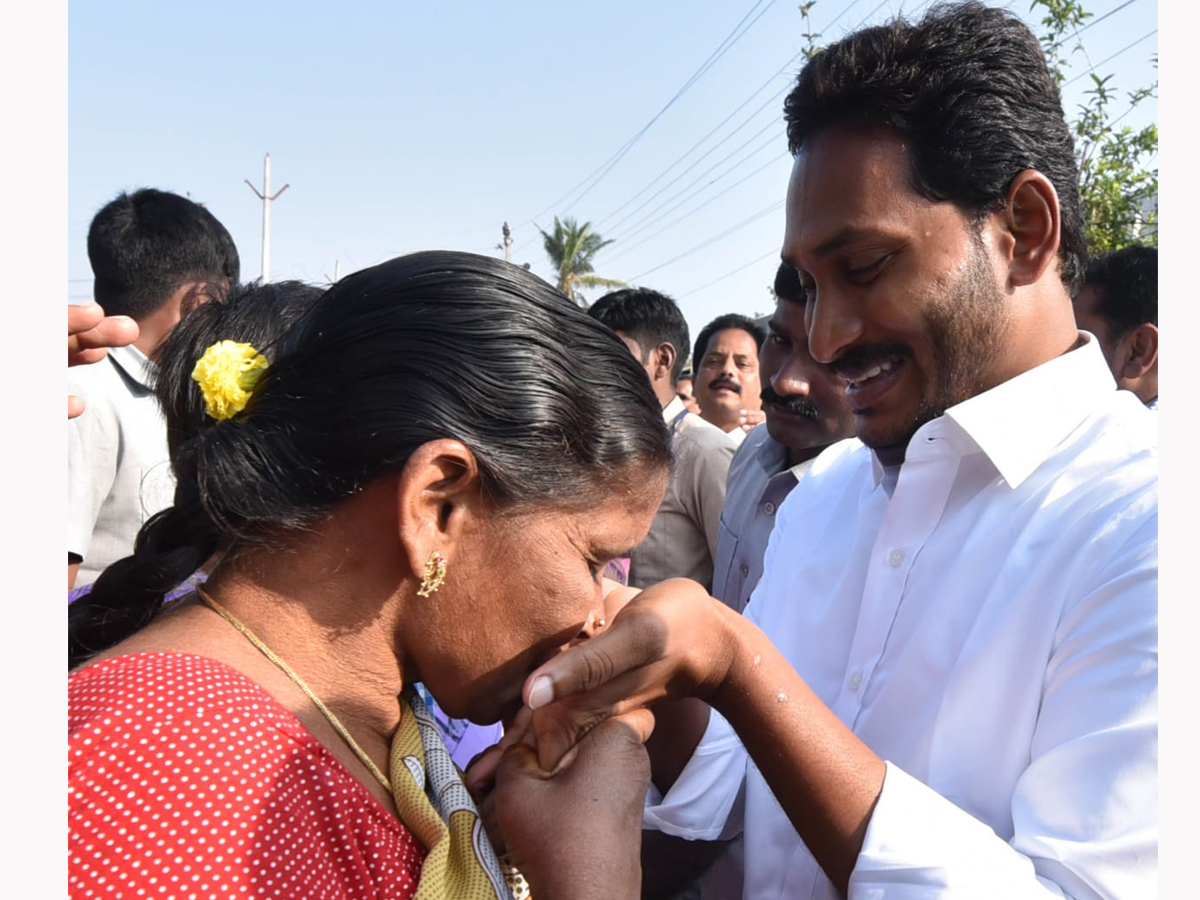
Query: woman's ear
(1032, 227)
(439, 497)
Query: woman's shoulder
(163, 686)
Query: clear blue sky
(404, 126)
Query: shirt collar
(1018, 423)
(672, 410)
(772, 455)
(134, 363)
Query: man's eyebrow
(847, 235)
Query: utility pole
(507, 243)
(266, 197)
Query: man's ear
(664, 361)
(196, 293)
(1031, 226)
(439, 497)
(1138, 352)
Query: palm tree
(572, 248)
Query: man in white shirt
(155, 255)
(945, 684)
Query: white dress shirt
(984, 617)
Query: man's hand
(671, 640)
(89, 335)
(748, 418)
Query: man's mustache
(799, 406)
(724, 382)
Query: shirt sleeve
(705, 802)
(708, 485)
(1085, 810)
(93, 442)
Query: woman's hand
(671, 640)
(576, 832)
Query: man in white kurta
(990, 630)
(952, 689)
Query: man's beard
(965, 328)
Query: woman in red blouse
(422, 483)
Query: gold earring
(435, 574)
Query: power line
(787, 65)
(715, 238)
(728, 274)
(1127, 47)
(596, 176)
(687, 192)
(1097, 21)
(700, 142)
(747, 265)
(702, 157)
(708, 64)
(696, 209)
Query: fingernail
(542, 692)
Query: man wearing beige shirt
(683, 537)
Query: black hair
(787, 284)
(648, 317)
(256, 314)
(1126, 285)
(428, 346)
(144, 245)
(721, 323)
(968, 87)
(127, 593)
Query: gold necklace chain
(290, 673)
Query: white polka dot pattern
(187, 780)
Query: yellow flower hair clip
(227, 374)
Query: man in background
(685, 388)
(1119, 305)
(155, 255)
(682, 542)
(806, 411)
(725, 365)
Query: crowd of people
(431, 583)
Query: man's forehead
(845, 185)
(732, 335)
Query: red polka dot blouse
(185, 779)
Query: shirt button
(745, 569)
(855, 681)
(896, 557)
(769, 508)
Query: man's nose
(833, 323)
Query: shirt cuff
(705, 803)
(919, 844)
